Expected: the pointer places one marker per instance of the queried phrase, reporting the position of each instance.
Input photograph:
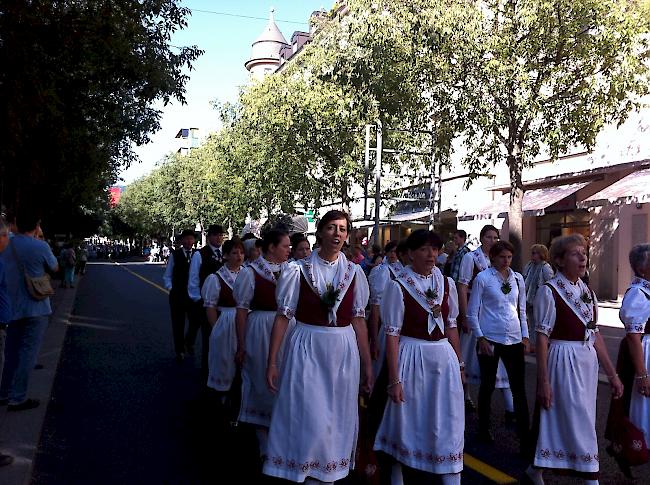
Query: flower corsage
(506, 288)
(431, 296)
(330, 296)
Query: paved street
(123, 411)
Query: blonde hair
(561, 244)
(541, 250)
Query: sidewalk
(20, 432)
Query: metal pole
(432, 189)
(366, 173)
(378, 179)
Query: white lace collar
(577, 295)
(227, 276)
(428, 291)
(642, 284)
(266, 269)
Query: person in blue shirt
(29, 317)
(5, 315)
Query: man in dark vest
(175, 279)
(204, 262)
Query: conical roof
(269, 43)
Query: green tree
(80, 91)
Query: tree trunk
(515, 212)
(345, 198)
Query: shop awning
(536, 202)
(631, 189)
(411, 216)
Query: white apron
(567, 431)
(426, 431)
(640, 405)
(222, 349)
(320, 377)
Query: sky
(219, 72)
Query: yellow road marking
(488, 471)
(144, 279)
(475, 464)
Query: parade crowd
(294, 337)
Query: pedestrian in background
(175, 280)
(69, 263)
(460, 240)
(82, 259)
(536, 273)
(5, 314)
(26, 257)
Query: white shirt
(244, 288)
(476, 257)
(379, 278)
(194, 282)
(211, 289)
(635, 309)
(544, 308)
(392, 303)
(495, 315)
(324, 273)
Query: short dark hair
(274, 236)
(461, 232)
(27, 219)
(334, 215)
(233, 243)
(487, 228)
(390, 246)
(297, 238)
(499, 247)
(401, 247)
(422, 237)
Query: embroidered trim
(358, 312)
(291, 464)
(287, 312)
(479, 259)
(641, 282)
(227, 276)
(255, 412)
(394, 331)
(342, 284)
(264, 269)
(421, 455)
(547, 454)
(579, 305)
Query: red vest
(226, 299)
(416, 318)
(264, 295)
(311, 310)
(567, 324)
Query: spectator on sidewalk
(69, 263)
(5, 315)
(29, 316)
(82, 259)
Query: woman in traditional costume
(633, 357)
(424, 421)
(254, 293)
(569, 347)
(471, 265)
(314, 427)
(219, 303)
(300, 247)
(497, 317)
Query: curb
(20, 432)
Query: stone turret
(265, 54)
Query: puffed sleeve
(635, 310)
(466, 269)
(377, 282)
(392, 308)
(361, 293)
(544, 310)
(452, 300)
(474, 305)
(210, 291)
(288, 290)
(244, 288)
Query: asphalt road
(124, 412)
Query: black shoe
(469, 406)
(6, 460)
(25, 405)
(484, 436)
(622, 464)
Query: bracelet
(393, 384)
(612, 376)
(644, 376)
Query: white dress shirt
(194, 282)
(169, 270)
(495, 315)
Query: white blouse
(635, 309)
(324, 272)
(466, 270)
(212, 289)
(244, 288)
(379, 278)
(495, 315)
(544, 308)
(392, 303)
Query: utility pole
(380, 148)
(366, 173)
